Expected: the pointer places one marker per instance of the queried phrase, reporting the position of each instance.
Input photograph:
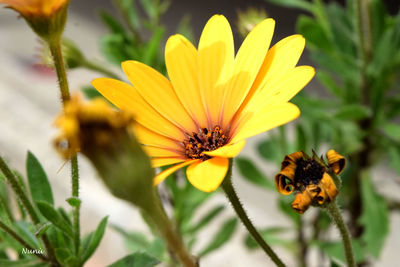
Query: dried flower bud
(105, 136)
(310, 178)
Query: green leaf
(223, 236)
(300, 4)
(206, 219)
(54, 217)
(63, 255)
(153, 46)
(392, 130)
(90, 92)
(285, 205)
(329, 83)
(375, 216)
(314, 33)
(134, 241)
(335, 250)
(38, 183)
(113, 25)
(136, 260)
(128, 6)
(252, 174)
(301, 139)
(95, 239)
(271, 235)
(270, 150)
(25, 230)
(352, 112)
(23, 263)
(74, 201)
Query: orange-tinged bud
(46, 17)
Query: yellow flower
(310, 178)
(213, 101)
(46, 17)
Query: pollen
(204, 140)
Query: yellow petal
(288, 87)
(282, 57)
(216, 55)
(124, 96)
(227, 151)
(208, 175)
(158, 92)
(277, 91)
(148, 137)
(182, 66)
(159, 162)
(247, 65)
(153, 151)
(267, 118)
(164, 174)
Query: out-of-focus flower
(46, 17)
(248, 19)
(310, 178)
(213, 101)
(106, 137)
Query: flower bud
(46, 17)
(105, 136)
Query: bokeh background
(29, 102)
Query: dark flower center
(204, 140)
(308, 171)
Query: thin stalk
(22, 196)
(303, 250)
(7, 210)
(75, 193)
(95, 67)
(233, 198)
(20, 240)
(55, 49)
(283, 143)
(336, 216)
(168, 232)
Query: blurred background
(29, 103)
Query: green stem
(22, 196)
(336, 216)
(18, 238)
(55, 49)
(95, 67)
(283, 143)
(75, 193)
(56, 52)
(168, 231)
(230, 193)
(7, 210)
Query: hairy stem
(233, 198)
(55, 48)
(160, 219)
(23, 197)
(336, 216)
(20, 240)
